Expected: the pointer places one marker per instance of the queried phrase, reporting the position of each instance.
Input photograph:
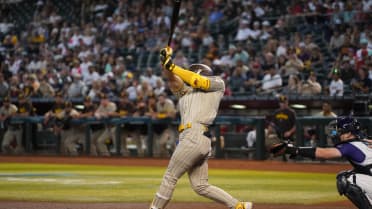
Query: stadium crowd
(111, 48)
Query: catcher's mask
(201, 69)
(348, 124)
(331, 130)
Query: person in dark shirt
(126, 108)
(284, 120)
(361, 83)
(13, 135)
(89, 107)
(50, 116)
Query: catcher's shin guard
(352, 191)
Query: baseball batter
(199, 96)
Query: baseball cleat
(244, 205)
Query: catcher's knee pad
(352, 191)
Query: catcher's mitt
(278, 149)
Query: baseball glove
(278, 149)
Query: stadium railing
(319, 123)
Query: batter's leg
(189, 151)
(198, 177)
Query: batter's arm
(175, 82)
(195, 80)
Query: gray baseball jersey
(198, 109)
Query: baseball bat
(176, 10)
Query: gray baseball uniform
(198, 109)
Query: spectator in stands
(311, 86)
(237, 79)
(27, 88)
(309, 42)
(159, 87)
(241, 54)
(14, 86)
(144, 90)
(4, 87)
(91, 75)
(362, 53)
(282, 48)
(77, 89)
(95, 90)
(150, 77)
(272, 81)
(361, 84)
(227, 59)
(254, 77)
(346, 46)
(304, 55)
(45, 89)
(293, 65)
(266, 32)
(336, 87)
(347, 71)
(255, 32)
(294, 85)
(180, 59)
(316, 59)
(212, 51)
(336, 16)
(243, 31)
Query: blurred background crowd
(259, 47)
(74, 49)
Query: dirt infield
(213, 163)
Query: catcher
(199, 94)
(355, 184)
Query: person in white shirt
(243, 31)
(272, 79)
(336, 87)
(282, 48)
(256, 31)
(91, 75)
(326, 111)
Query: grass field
(86, 183)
